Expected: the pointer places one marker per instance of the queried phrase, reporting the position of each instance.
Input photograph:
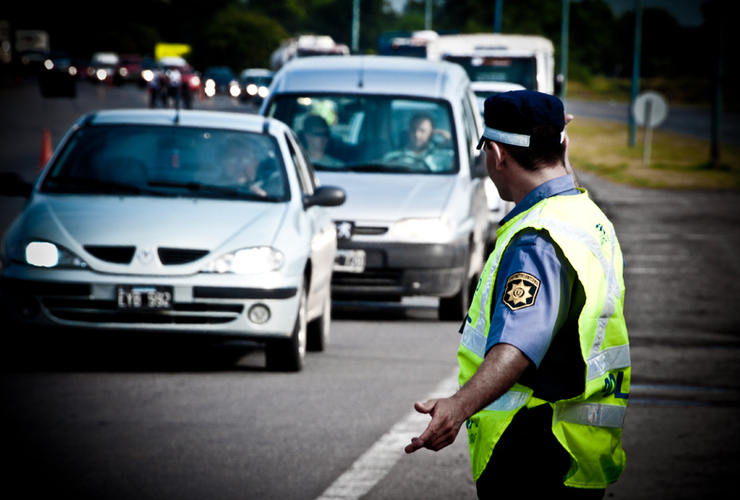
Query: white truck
(305, 46)
(498, 63)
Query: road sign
(650, 108)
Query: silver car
(190, 222)
(399, 135)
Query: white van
(416, 220)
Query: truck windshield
(372, 133)
(519, 70)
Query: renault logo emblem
(145, 255)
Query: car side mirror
(325, 196)
(478, 169)
(12, 184)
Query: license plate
(144, 297)
(350, 261)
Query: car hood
(389, 197)
(182, 223)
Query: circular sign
(650, 105)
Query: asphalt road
(133, 417)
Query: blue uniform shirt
(533, 284)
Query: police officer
(544, 354)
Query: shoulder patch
(520, 291)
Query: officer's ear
(496, 151)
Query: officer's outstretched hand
(442, 430)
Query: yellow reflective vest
(588, 426)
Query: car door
(322, 228)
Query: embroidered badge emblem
(521, 291)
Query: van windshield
(372, 133)
(520, 70)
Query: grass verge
(676, 161)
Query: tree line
(243, 33)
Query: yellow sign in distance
(171, 50)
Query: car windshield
(372, 133)
(521, 70)
(169, 161)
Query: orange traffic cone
(46, 149)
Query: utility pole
(635, 71)
(355, 26)
(564, 49)
(717, 101)
(428, 15)
(497, 16)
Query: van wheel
(318, 329)
(287, 355)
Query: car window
(302, 167)
(176, 161)
(372, 133)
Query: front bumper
(201, 304)
(403, 269)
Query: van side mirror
(12, 184)
(325, 196)
(478, 169)
(558, 83)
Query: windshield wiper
(383, 168)
(198, 186)
(95, 183)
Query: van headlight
(254, 260)
(438, 230)
(45, 254)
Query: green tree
(238, 38)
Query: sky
(686, 12)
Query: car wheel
(318, 329)
(455, 308)
(287, 355)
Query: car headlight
(254, 260)
(252, 89)
(439, 230)
(45, 254)
(147, 75)
(263, 92)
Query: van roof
(371, 75)
(483, 43)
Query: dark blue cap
(510, 118)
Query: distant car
(184, 222)
(59, 76)
(177, 79)
(220, 80)
(255, 84)
(103, 66)
(416, 221)
(129, 69)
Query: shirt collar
(559, 186)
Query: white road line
(379, 459)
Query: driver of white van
(419, 145)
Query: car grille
(370, 231)
(124, 254)
(113, 254)
(371, 277)
(175, 256)
(106, 311)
